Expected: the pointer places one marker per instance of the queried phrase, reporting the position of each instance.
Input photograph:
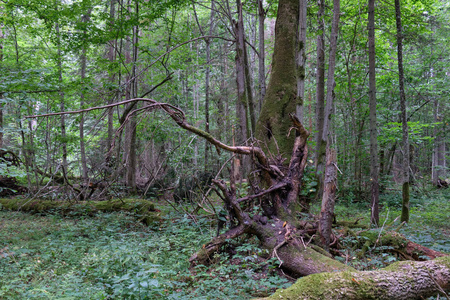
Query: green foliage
(113, 256)
(428, 226)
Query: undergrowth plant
(112, 256)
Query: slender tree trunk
(320, 93)
(241, 104)
(374, 217)
(111, 58)
(207, 79)
(249, 93)
(262, 55)
(301, 59)
(243, 131)
(84, 167)
(405, 140)
(62, 100)
(331, 68)
(132, 160)
(328, 199)
(438, 158)
(324, 140)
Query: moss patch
(144, 210)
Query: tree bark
(281, 98)
(111, 58)
(62, 104)
(320, 93)
(262, 54)
(132, 164)
(402, 280)
(438, 159)
(207, 78)
(241, 103)
(301, 58)
(328, 199)
(83, 58)
(405, 139)
(374, 170)
(323, 141)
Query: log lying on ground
(396, 243)
(144, 210)
(283, 241)
(402, 280)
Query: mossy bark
(144, 210)
(281, 96)
(401, 280)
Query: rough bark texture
(328, 199)
(374, 205)
(320, 91)
(402, 280)
(405, 140)
(277, 227)
(241, 103)
(281, 97)
(301, 58)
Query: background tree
(374, 205)
(405, 141)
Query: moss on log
(401, 280)
(144, 210)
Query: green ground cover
(114, 256)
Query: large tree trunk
(281, 96)
(402, 280)
(279, 231)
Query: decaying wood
(406, 280)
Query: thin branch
(172, 49)
(269, 190)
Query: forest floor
(114, 256)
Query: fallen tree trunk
(144, 210)
(402, 280)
